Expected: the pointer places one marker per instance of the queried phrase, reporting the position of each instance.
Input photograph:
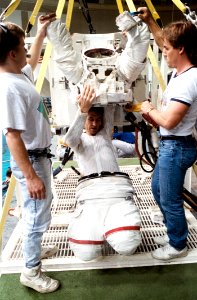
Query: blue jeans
(175, 157)
(36, 214)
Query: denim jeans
(36, 214)
(175, 157)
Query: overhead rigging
(83, 6)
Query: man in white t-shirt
(25, 124)
(176, 119)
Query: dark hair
(10, 37)
(97, 110)
(183, 34)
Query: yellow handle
(134, 107)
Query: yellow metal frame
(34, 14)
(152, 10)
(10, 9)
(180, 5)
(6, 206)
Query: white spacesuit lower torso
(106, 211)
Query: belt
(40, 153)
(176, 137)
(103, 174)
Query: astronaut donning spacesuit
(105, 204)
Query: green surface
(121, 162)
(172, 282)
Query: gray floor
(12, 221)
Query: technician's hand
(43, 23)
(86, 98)
(146, 107)
(145, 16)
(36, 188)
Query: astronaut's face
(94, 123)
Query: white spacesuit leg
(66, 57)
(122, 227)
(133, 58)
(85, 232)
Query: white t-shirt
(94, 154)
(22, 109)
(182, 88)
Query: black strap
(103, 174)
(176, 137)
(85, 12)
(40, 153)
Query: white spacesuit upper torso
(94, 154)
(108, 71)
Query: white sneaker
(37, 280)
(161, 240)
(168, 252)
(48, 251)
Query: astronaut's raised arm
(73, 136)
(65, 56)
(132, 60)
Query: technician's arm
(36, 47)
(147, 18)
(169, 118)
(17, 148)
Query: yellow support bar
(6, 206)
(69, 13)
(152, 10)
(48, 50)
(131, 5)
(180, 5)
(33, 16)
(9, 9)
(120, 6)
(156, 69)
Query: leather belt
(103, 174)
(176, 137)
(40, 153)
